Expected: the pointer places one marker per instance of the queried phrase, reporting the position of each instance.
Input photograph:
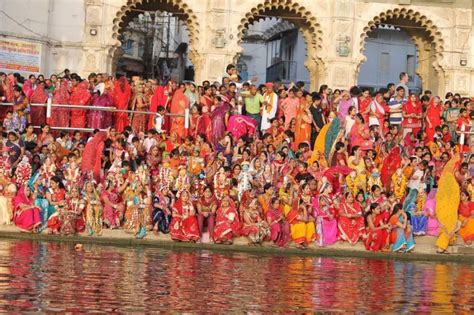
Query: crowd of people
(272, 163)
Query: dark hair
(58, 181)
(354, 149)
(402, 75)
(397, 207)
(372, 207)
(267, 187)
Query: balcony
(284, 71)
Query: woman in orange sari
(303, 123)
(179, 104)
(466, 216)
(433, 117)
(80, 96)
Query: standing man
(270, 105)
(253, 101)
(317, 116)
(396, 104)
(403, 83)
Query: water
(53, 277)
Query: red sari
(279, 230)
(158, 99)
(80, 96)
(60, 115)
(377, 239)
(412, 108)
(122, 92)
(351, 229)
(38, 114)
(184, 225)
(227, 224)
(92, 156)
(433, 113)
(364, 104)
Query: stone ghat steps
(425, 246)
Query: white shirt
(159, 119)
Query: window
(411, 67)
(384, 63)
(127, 46)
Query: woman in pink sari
(359, 131)
(325, 213)
(240, 125)
(351, 222)
(38, 113)
(100, 119)
(227, 222)
(60, 115)
(219, 118)
(113, 206)
(279, 227)
(26, 215)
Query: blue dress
(403, 238)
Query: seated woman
(401, 236)
(377, 231)
(206, 208)
(113, 205)
(254, 227)
(326, 223)
(162, 205)
(466, 216)
(350, 222)
(93, 209)
(227, 222)
(279, 227)
(72, 219)
(184, 225)
(56, 197)
(26, 215)
(429, 211)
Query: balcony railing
(282, 71)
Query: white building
(53, 27)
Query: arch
(423, 32)
(177, 7)
(300, 16)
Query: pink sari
(326, 227)
(60, 115)
(279, 231)
(26, 218)
(227, 224)
(240, 125)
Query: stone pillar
(341, 73)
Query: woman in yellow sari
(447, 203)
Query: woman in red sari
(433, 117)
(364, 104)
(139, 103)
(184, 225)
(26, 214)
(38, 113)
(350, 223)
(122, 93)
(228, 223)
(378, 232)
(158, 99)
(80, 96)
(60, 115)
(412, 113)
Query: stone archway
(178, 8)
(428, 40)
(306, 23)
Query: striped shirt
(396, 118)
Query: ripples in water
(53, 277)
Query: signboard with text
(19, 56)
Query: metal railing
(49, 107)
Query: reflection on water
(49, 277)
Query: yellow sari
(447, 203)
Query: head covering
(269, 85)
(21, 198)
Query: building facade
(335, 33)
